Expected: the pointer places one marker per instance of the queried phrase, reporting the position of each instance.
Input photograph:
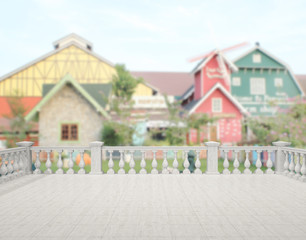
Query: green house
(263, 84)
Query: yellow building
(72, 54)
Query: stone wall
(68, 106)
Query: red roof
(302, 81)
(170, 83)
(28, 102)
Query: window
(256, 58)
(258, 86)
(278, 82)
(217, 105)
(236, 81)
(69, 132)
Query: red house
(211, 95)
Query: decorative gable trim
(285, 65)
(63, 82)
(52, 53)
(226, 93)
(231, 65)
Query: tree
(177, 129)
(197, 121)
(19, 128)
(288, 125)
(121, 102)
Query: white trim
(201, 81)
(226, 93)
(188, 93)
(231, 65)
(285, 65)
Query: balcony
(164, 201)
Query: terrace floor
(153, 207)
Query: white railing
(280, 159)
(245, 159)
(292, 166)
(12, 163)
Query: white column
(258, 163)
(303, 169)
(96, 157)
(269, 163)
(143, 163)
(291, 165)
(59, 163)
(226, 163)
(236, 163)
(198, 163)
(154, 163)
(121, 163)
(247, 163)
(132, 163)
(212, 158)
(28, 155)
(165, 163)
(286, 163)
(297, 166)
(37, 163)
(280, 156)
(48, 163)
(110, 163)
(82, 163)
(175, 163)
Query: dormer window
(256, 58)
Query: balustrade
(143, 160)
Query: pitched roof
(68, 79)
(99, 91)
(170, 83)
(275, 59)
(52, 53)
(194, 106)
(302, 81)
(28, 102)
(204, 61)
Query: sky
(153, 35)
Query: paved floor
(153, 207)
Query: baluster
(269, 163)
(37, 163)
(297, 166)
(20, 164)
(186, 163)
(286, 163)
(154, 163)
(48, 163)
(15, 164)
(132, 163)
(258, 163)
(247, 163)
(175, 163)
(70, 162)
(59, 163)
(226, 163)
(10, 168)
(3, 168)
(82, 162)
(198, 163)
(110, 163)
(291, 165)
(236, 163)
(303, 169)
(143, 163)
(165, 163)
(121, 163)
